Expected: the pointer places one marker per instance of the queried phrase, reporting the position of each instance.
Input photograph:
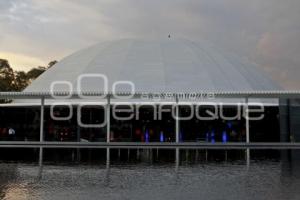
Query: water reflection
(124, 179)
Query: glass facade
(138, 123)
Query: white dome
(170, 65)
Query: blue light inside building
(207, 137)
(161, 137)
(146, 136)
(212, 137)
(224, 137)
(229, 125)
(180, 137)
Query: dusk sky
(34, 32)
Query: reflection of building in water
(172, 66)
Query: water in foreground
(126, 180)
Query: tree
(50, 64)
(11, 80)
(21, 80)
(7, 77)
(4, 63)
(35, 72)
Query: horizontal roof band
(196, 95)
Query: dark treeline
(11, 80)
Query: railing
(150, 145)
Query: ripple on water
(262, 180)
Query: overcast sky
(34, 32)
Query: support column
(108, 119)
(247, 131)
(78, 153)
(247, 122)
(107, 158)
(285, 127)
(177, 128)
(107, 178)
(42, 119)
(177, 159)
(41, 156)
(41, 130)
(289, 121)
(78, 134)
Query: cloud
(268, 32)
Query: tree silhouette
(11, 80)
(7, 76)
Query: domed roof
(169, 65)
